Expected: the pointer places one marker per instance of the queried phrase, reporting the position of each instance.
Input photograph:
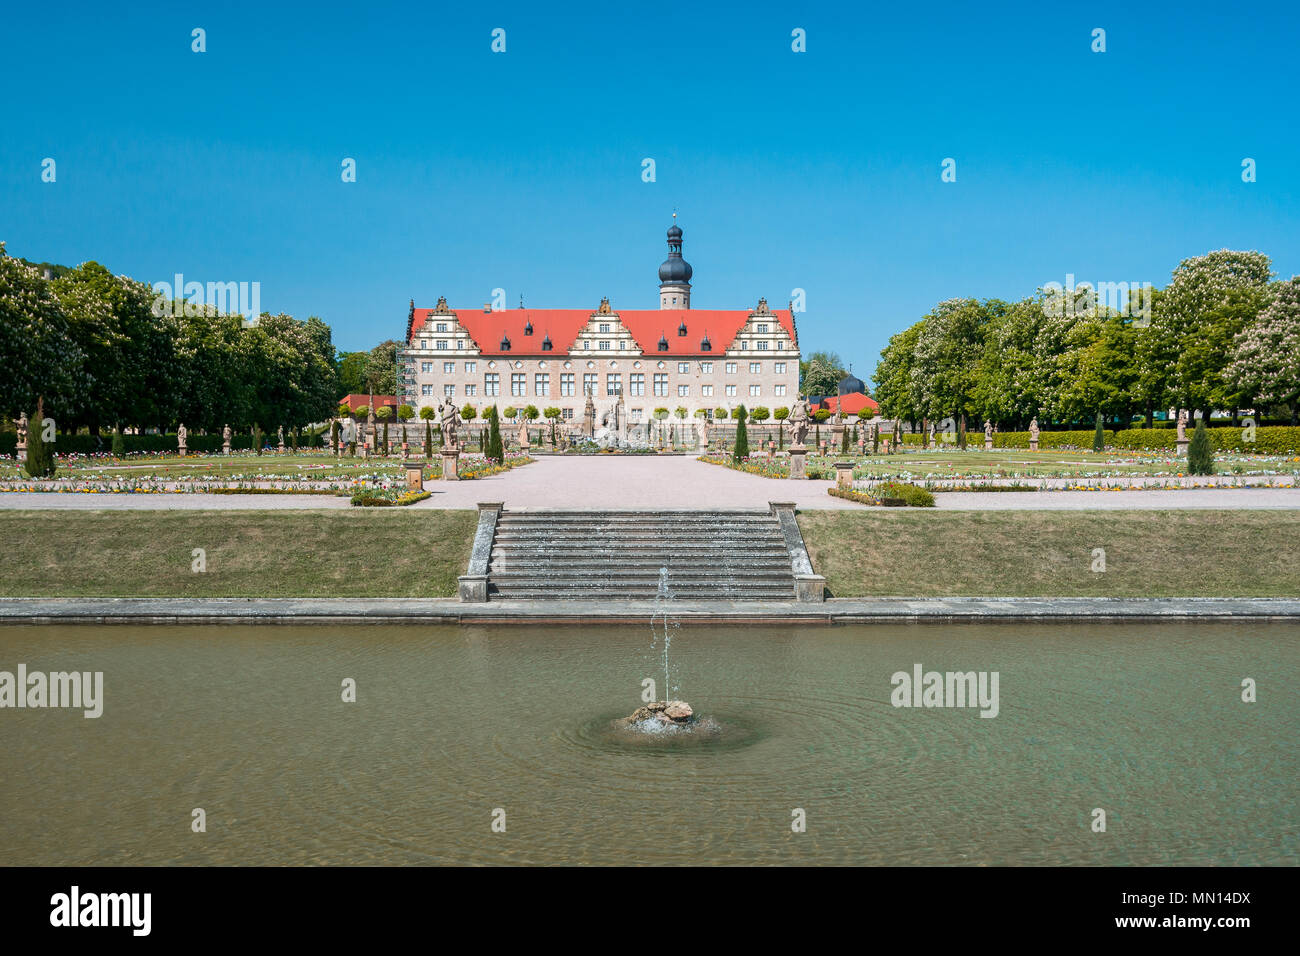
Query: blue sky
(816, 170)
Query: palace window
(706, 391)
(589, 384)
(604, 328)
(762, 345)
(779, 391)
(755, 368)
(442, 327)
(442, 344)
(622, 344)
(636, 383)
(780, 368)
(683, 391)
(470, 367)
(568, 414)
(542, 383)
(731, 368)
(586, 343)
(491, 384)
(566, 383)
(449, 391)
(471, 391)
(762, 328)
(614, 384)
(460, 343)
(426, 367)
(661, 383)
(448, 368)
(755, 391)
(683, 368)
(518, 383)
(744, 346)
(706, 368)
(426, 389)
(634, 415)
(731, 390)
(604, 345)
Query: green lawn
(1050, 553)
(370, 552)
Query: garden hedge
(89, 444)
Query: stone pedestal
(450, 464)
(798, 457)
(1182, 447)
(1033, 444)
(414, 475)
(21, 452)
(365, 449)
(182, 449)
(988, 444)
(844, 475)
(225, 447)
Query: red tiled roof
(563, 326)
(854, 402)
(355, 400)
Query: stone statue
(181, 436)
(225, 440)
(930, 443)
(1182, 424)
(702, 431)
(524, 442)
(589, 417)
(22, 428)
(988, 430)
(1033, 429)
(280, 437)
(798, 421)
(449, 417)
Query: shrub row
(1268, 439)
(90, 445)
(910, 495)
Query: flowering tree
(1265, 361)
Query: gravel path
(661, 483)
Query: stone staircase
(594, 555)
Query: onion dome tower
(675, 273)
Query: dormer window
(663, 342)
(528, 327)
(705, 344)
(546, 343)
(505, 343)
(681, 329)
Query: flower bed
(387, 499)
(889, 493)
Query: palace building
(669, 357)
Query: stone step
(580, 575)
(712, 592)
(596, 557)
(566, 545)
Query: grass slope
(1050, 553)
(373, 552)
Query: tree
(405, 413)
(334, 437)
(531, 413)
(37, 349)
(1265, 361)
(119, 446)
(428, 413)
(741, 451)
(495, 448)
(781, 414)
(381, 368)
(468, 413)
(553, 414)
(1099, 437)
(510, 411)
(40, 460)
(352, 372)
(1200, 457)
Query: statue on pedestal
(1033, 434)
(524, 441)
(181, 436)
(280, 436)
(22, 436)
(1182, 424)
(225, 440)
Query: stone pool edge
(17, 611)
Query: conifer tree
(1200, 457)
(741, 451)
(40, 459)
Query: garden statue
(702, 431)
(280, 436)
(181, 436)
(524, 442)
(22, 436)
(450, 421)
(988, 434)
(1033, 434)
(589, 417)
(930, 443)
(798, 421)
(1182, 424)
(225, 440)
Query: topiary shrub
(1099, 436)
(741, 451)
(40, 460)
(1200, 458)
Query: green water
(1145, 721)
